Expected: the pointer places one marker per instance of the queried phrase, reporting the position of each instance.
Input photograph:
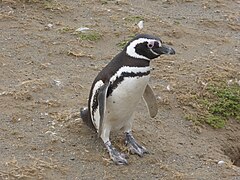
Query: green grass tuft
(89, 36)
(221, 102)
(216, 105)
(54, 6)
(134, 19)
(124, 42)
(66, 29)
(215, 121)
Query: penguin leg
(117, 157)
(130, 141)
(134, 147)
(104, 127)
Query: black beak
(164, 50)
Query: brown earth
(46, 72)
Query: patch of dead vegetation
(37, 168)
(212, 97)
(177, 1)
(52, 5)
(78, 53)
(23, 91)
(65, 115)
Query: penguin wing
(151, 101)
(102, 95)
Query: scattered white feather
(159, 98)
(57, 82)
(229, 82)
(140, 24)
(168, 88)
(82, 29)
(220, 162)
(50, 25)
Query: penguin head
(147, 47)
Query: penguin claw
(139, 150)
(117, 157)
(134, 147)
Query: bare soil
(46, 72)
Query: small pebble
(50, 25)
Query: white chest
(129, 91)
(128, 85)
(124, 99)
(130, 88)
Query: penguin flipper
(151, 101)
(102, 95)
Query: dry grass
(52, 5)
(23, 91)
(35, 170)
(213, 99)
(65, 115)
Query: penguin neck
(131, 61)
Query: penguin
(117, 90)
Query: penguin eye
(150, 45)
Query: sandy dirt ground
(46, 70)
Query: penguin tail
(85, 115)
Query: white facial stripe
(160, 44)
(154, 52)
(152, 42)
(131, 48)
(129, 70)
